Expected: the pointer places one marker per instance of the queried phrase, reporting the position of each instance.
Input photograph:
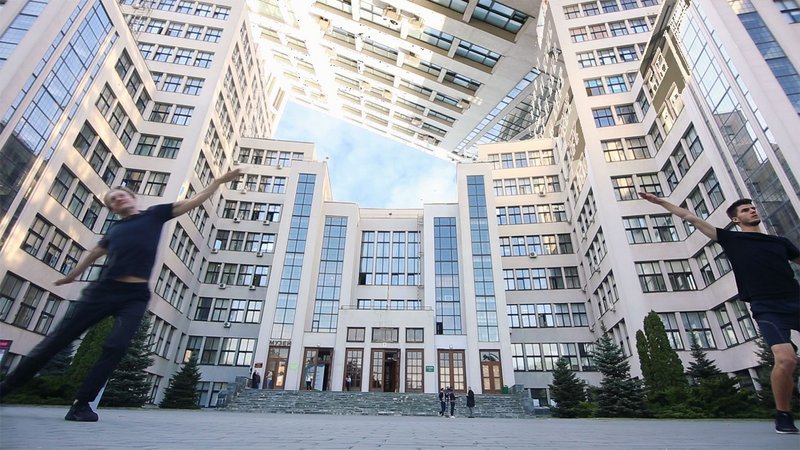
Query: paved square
(34, 427)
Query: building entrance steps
(370, 403)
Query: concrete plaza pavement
(44, 427)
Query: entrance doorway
(451, 370)
(277, 360)
(491, 371)
(385, 370)
(317, 369)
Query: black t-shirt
(132, 243)
(761, 267)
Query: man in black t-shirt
(765, 279)
(130, 247)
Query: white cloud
(368, 169)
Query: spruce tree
(661, 367)
(701, 368)
(182, 390)
(128, 384)
(60, 363)
(567, 390)
(619, 394)
(715, 393)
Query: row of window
(232, 310)
(263, 212)
(220, 351)
(172, 82)
(592, 8)
(604, 30)
(391, 304)
(510, 215)
(527, 185)
(175, 29)
(614, 84)
(608, 116)
(530, 158)
(541, 278)
(232, 274)
(259, 183)
(261, 157)
(546, 315)
(171, 288)
(538, 357)
(169, 54)
(612, 55)
(239, 241)
(385, 334)
(35, 302)
(627, 149)
(199, 9)
(534, 245)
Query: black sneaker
(81, 412)
(784, 423)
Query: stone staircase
(370, 403)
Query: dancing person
(765, 279)
(130, 247)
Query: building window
(618, 28)
(415, 335)
(594, 87)
(636, 230)
(616, 84)
(385, 335)
(744, 319)
(603, 117)
(790, 10)
(673, 332)
(624, 188)
(586, 59)
(650, 277)
(680, 275)
(578, 34)
(726, 326)
(626, 114)
(696, 324)
(182, 115)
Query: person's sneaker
(81, 412)
(784, 423)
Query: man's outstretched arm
(704, 227)
(187, 205)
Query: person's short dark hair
(731, 211)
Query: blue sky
(366, 168)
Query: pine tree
(128, 384)
(567, 390)
(619, 394)
(661, 367)
(182, 390)
(701, 368)
(714, 392)
(89, 351)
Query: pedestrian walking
(764, 278)
(255, 381)
(442, 402)
(130, 247)
(471, 402)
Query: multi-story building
(575, 106)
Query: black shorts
(776, 328)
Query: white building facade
(575, 107)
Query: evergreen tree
(128, 384)
(701, 368)
(714, 392)
(182, 390)
(619, 394)
(60, 363)
(567, 390)
(661, 367)
(89, 351)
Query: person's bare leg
(782, 375)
